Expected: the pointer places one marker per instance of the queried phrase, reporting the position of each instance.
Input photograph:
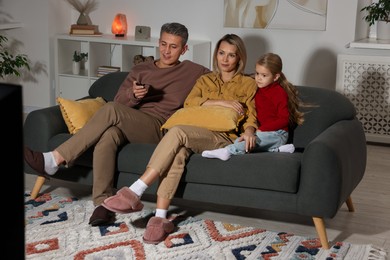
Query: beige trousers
(170, 156)
(111, 127)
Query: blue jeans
(265, 142)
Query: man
(149, 95)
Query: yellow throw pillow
(214, 118)
(77, 113)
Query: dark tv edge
(11, 113)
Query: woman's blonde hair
(274, 64)
(241, 52)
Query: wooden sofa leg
(350, 204)
(37, 187)
(321, 231)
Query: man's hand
(139, 90)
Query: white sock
(138, 187)
(51, 166)
(161, 213)
(287, 148)
(221, 153)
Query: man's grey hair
(176, 29)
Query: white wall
(310, 57)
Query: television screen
(12, 162)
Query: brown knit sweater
(168, 87)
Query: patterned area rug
(57, 228)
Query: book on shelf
(103, 70)
(80, 26)
(82, 34)
(86, 30)
(82, 31)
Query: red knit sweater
(272, 108)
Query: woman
(226, 86)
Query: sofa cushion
(257, 170)
(77, 113)
(134, 157)
(84, 159)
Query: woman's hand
(234, 104)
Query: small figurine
(149, 58)
(139, 58)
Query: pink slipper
(125, 201)
(157, 230)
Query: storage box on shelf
(108, 50)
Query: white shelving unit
(371, 43)
(108, 50)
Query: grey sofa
(315, 180)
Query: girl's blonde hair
(274, 64)
(241, 52)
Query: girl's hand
(249, 138)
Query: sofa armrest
(41, 125)
(333, 164)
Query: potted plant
(11, 64)
(77, 58)
(379, 12)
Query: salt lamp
(119, 25)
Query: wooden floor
(369, 224)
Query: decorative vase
(84, 19)
(76, 68)
(383, 30)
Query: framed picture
(276, 14)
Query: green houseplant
(79, 56)
(11, 64)
(379, 13)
